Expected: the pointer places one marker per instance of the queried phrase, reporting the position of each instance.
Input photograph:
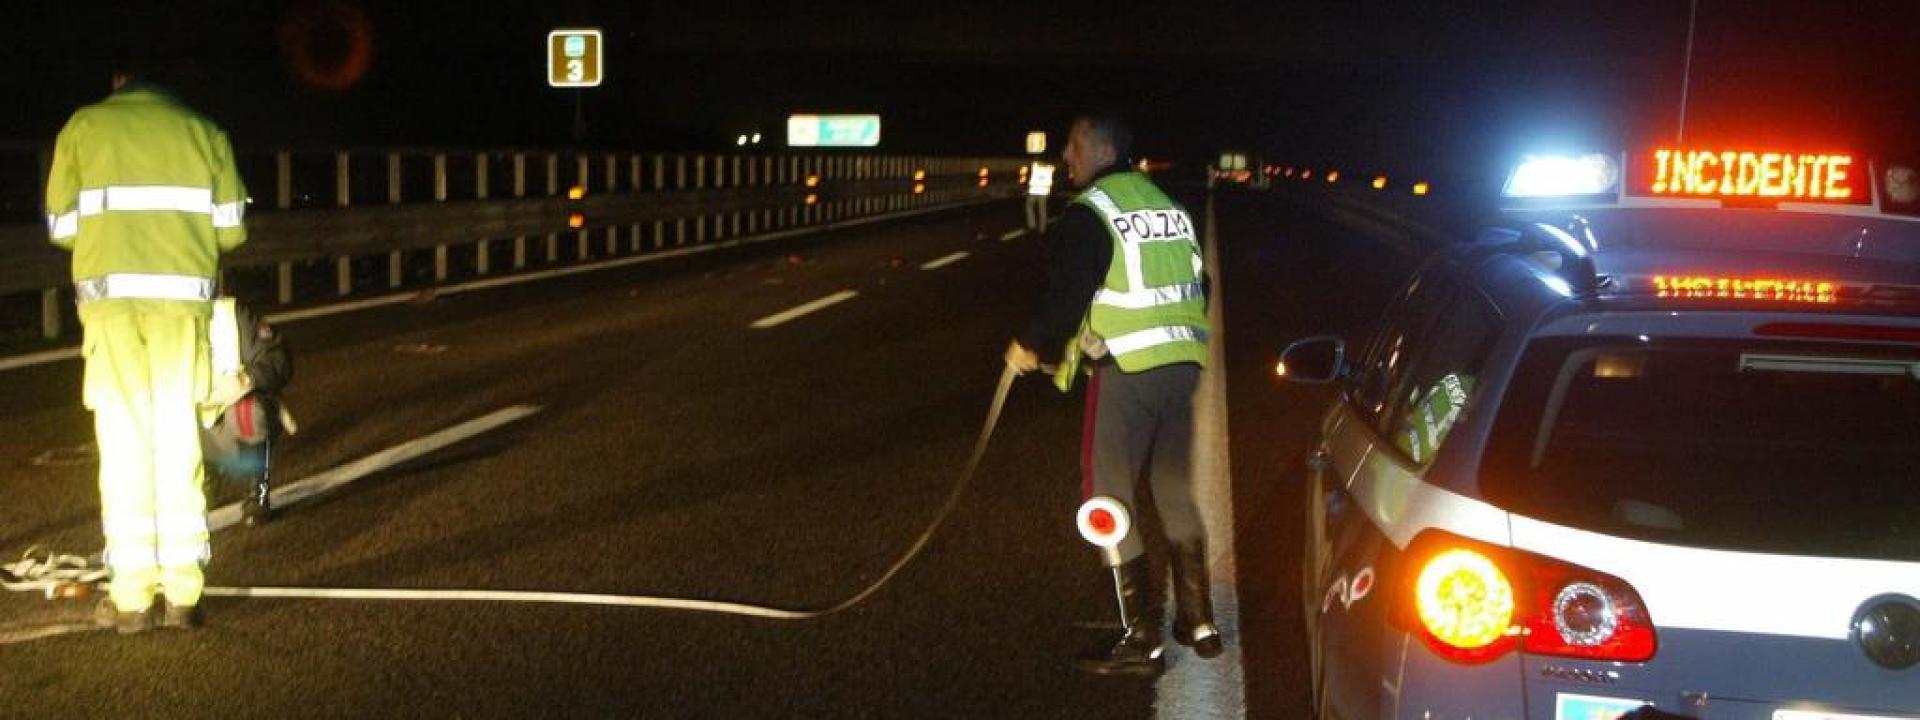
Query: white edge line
(39, 358)
(1215, 689)
(309, 487)
(945, 261)
(71, 353)
(822, 303)
(335, 309)
(1012, 235)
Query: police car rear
(1682, 476)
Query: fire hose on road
(50, 573)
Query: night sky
(1431, 88)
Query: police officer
(1125, 290)
(145, 193)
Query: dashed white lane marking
(294, 493)
(1194, 687)
(1012, 235)
(945, 261)
(785, 315)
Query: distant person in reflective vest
(1039, 187)
(1125, 292)
(145, 193)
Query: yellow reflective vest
(145, 193)
(1152, 309)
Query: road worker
(145, 193)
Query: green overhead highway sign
(833, 130)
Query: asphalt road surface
(686, 444)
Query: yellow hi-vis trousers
(146, 369)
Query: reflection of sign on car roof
(1720, 287)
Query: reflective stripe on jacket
(146, 194)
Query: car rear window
(1781, 447)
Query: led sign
(1716, 287)
(1740, 173)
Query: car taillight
(1473, 602)
(1464, 602)
(1585, 614)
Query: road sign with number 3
(574, 57)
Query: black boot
(1138, 650)
(1193, 619)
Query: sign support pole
(579, 117)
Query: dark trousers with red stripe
(1139, 427)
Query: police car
(1649, 446)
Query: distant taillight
(1474, 602)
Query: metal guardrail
(478, 213)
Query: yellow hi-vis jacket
(145, 193)
(1152, 309)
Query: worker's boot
(182, 617)
(1137, 652)
(126, 622)
(1193, 618)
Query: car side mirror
(1316, 360)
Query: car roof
(1620, 258)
